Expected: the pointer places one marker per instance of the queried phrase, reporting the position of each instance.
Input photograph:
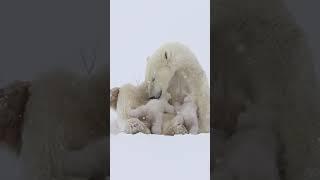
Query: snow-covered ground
(157, 157)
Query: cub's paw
(180, 129)
(135, 126)
(176, 129)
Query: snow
(143, 156)
(139, 27)
(158, 157)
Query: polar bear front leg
(157, 123)
(203, 104)
(135, 126)
(178, 125)
(191, 122)
(180, 129)
(194, 129)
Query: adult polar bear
(173, 68)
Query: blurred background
(38, 36)
(306, 14)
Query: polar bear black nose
(156, 96)
(159, 95)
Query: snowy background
(138, 28)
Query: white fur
(131, 97)
(153, 111)
(187, 115)
(174, 69)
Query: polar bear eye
(165, 55)
(153, 79)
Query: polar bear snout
(156, 95)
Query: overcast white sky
(139, 27)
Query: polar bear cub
(153, 112)
(187, 114)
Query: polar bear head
(162, 66)
(159, 72)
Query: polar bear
(128, 97)
(153, 112)
(174, 69)
(261, 56)
(187, 114)
(122, 100)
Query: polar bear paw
(176, 129)
(180, 129)
(135, 126)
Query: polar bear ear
(148, 58)
(166, 57)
